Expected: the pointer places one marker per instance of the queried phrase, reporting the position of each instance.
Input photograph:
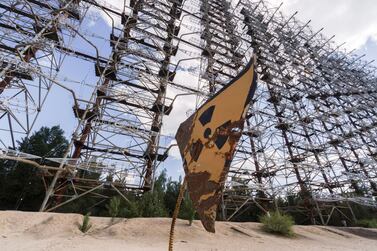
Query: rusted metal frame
(307, 136)
(258, 172)
(89, 183)
(127, 33)
(9, 75)
(152, 149)
(238, 209)
(305, 129)
(26, 55)
(234, 39)
(305, 191)
(79, 144)
(57, 175)
(206, 22)
(141, 156)
(85, 188)
(339, 94)
(57, 46)
(211, 53)
(320, 213)
(33, 163)
(179, 39)
(75, 198)
(11, 131)
(208, 40)
(29, 51)
(353, 182)
(188, 43)
(362, 136)
(301, 183)
(303, 187)
(373, 184)
(47, 6)
(343, 162)
(120, 193)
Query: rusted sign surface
(207, 142)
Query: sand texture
(51, 231)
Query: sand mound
(51, 231)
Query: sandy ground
(58, 232)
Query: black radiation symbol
(197, 147)
(206, 117)
(222, 139)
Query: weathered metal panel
(207, 142)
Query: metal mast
(309, 142)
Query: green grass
(85, 226)
(277, 223)
(367, 223)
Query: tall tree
(21, 186)
(151, 204)
(171, 195)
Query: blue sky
(352, 21)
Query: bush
(113, 207)
(130, 210)
(151, 204)
(277, 223)
(367, 223)
(171, 195)
(188, 211)
(85, 226)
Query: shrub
(277, 223)
(367, 223)
(113, 207)
(188, 211)
(130, 210)
(85, 226)
(151, 204)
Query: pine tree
(21, 185)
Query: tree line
(22, 188)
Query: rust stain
(207, 142)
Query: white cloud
(174, 151)
(352, 21)
(111, 18)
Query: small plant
(151, 204)
(188, 211)
(114, 207)
(367, 223)
(130, 210)
(85, 226)
(277, 223)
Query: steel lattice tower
(310, 133)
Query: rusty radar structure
(130, 71)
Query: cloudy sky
(351, 21)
